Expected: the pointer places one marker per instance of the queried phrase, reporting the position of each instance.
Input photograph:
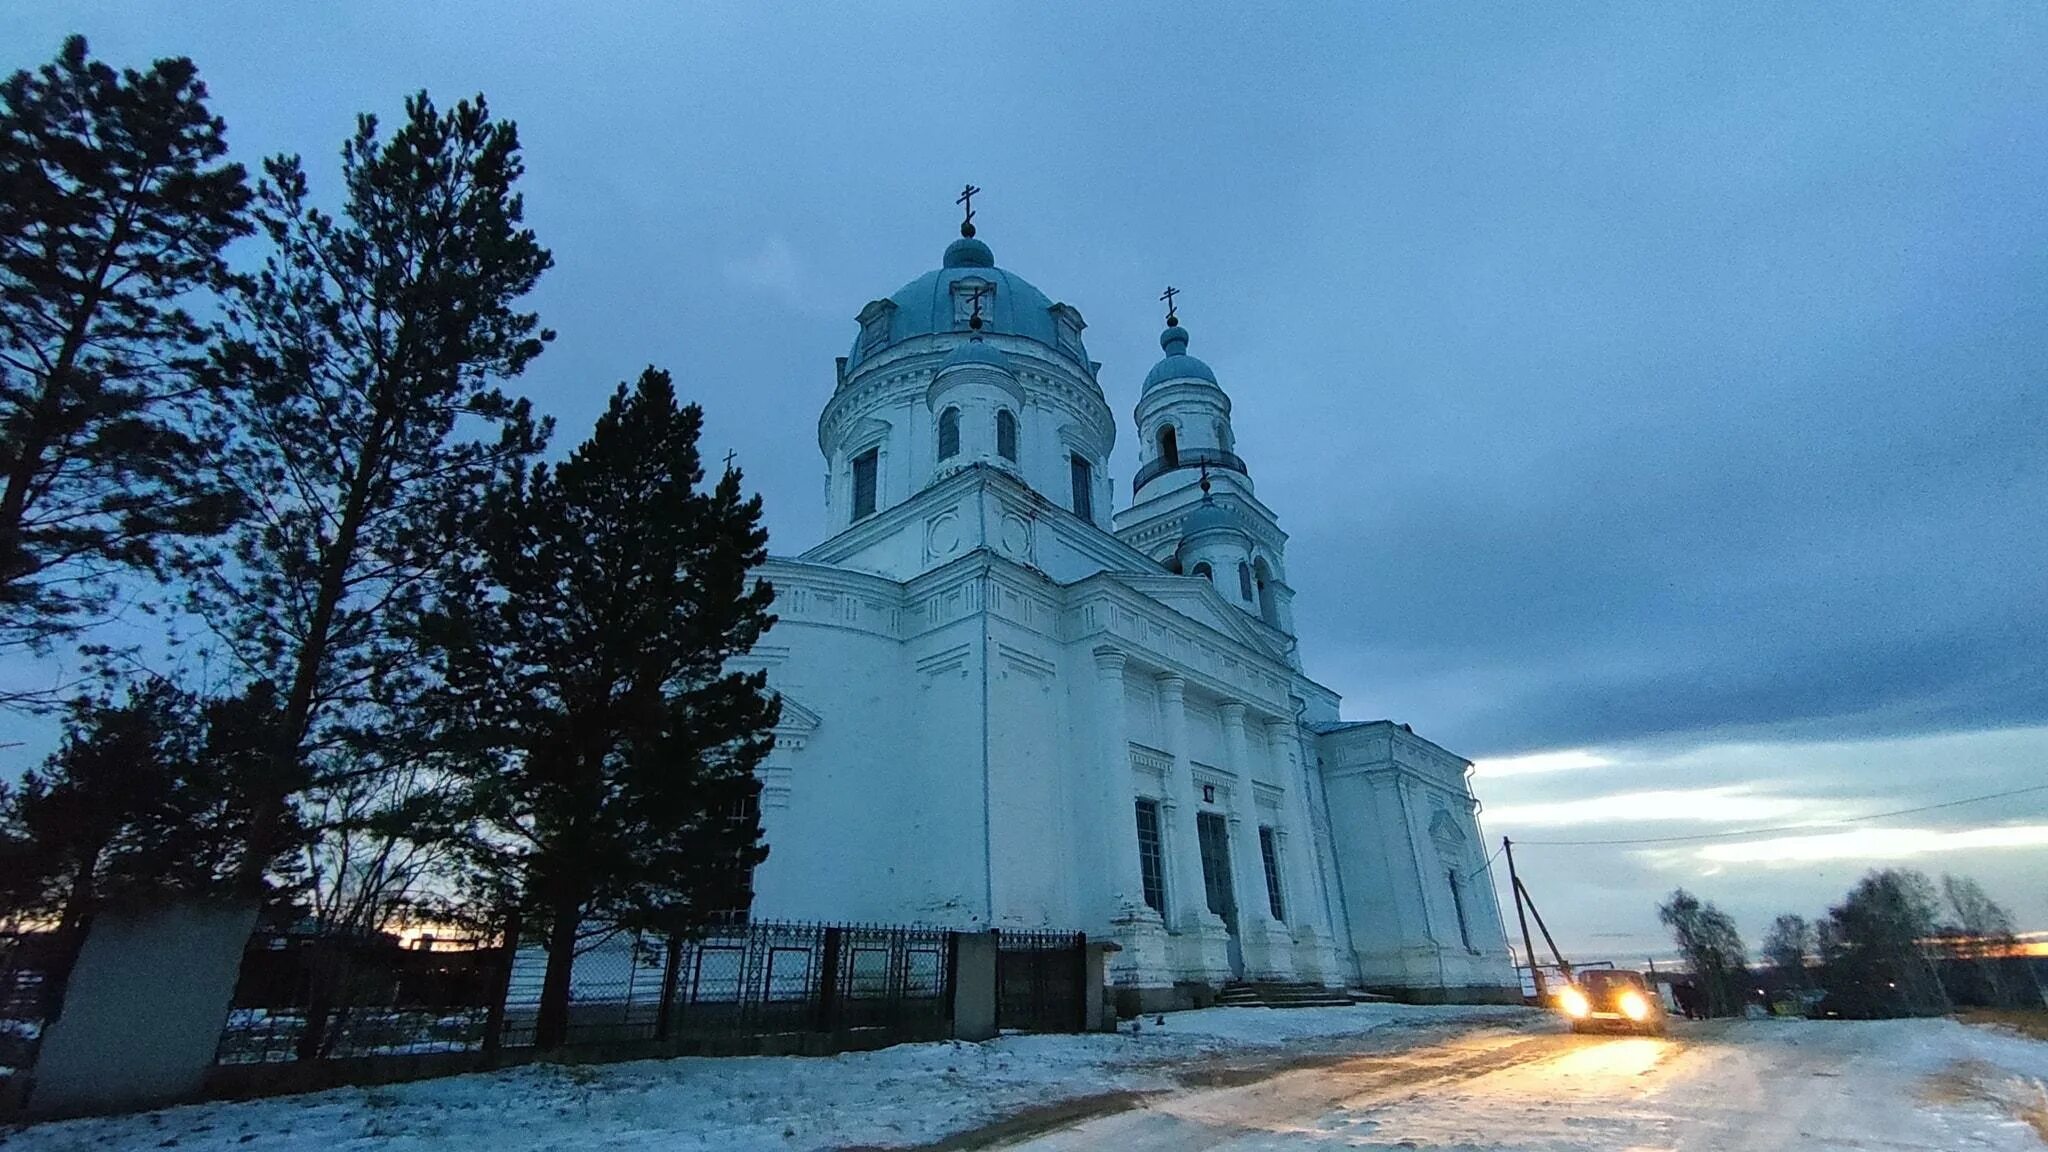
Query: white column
(1117, 803)
(1299, 841)
(1252, 906)
(1187, 901)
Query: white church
(1010, 703)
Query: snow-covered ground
(1739, 1086)
(911, 1094)
(1448, 1080)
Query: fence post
(1081, 989)
(952, 993)
(828, 994)
(494, 1016)
(671, 973)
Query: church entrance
(1214, 835)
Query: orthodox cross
(974, 320)
(1205, 479)
(1172, 321)
(729, 456)
(966, 198)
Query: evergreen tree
(115, 206)
(1873, 953)
(145, 796)
(369, 353)
(1707, 938)
(584, 652)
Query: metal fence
(304, 998)
(1041, 981)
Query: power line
(1785, 827)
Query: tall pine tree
(369, 352)
(115, 205)
(584, 653)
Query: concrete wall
(144, 1008)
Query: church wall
(1037, 741)
(939, 826)
(829, 838)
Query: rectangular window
(1084, 488)
(1151, 862)
(1271, 857)
(864, 466)
(1458, 903)
(1214, 835)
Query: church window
(1269, 854)
(1262, 579)
(1214, 836)
(1169, 447)
(1244, 581)
(1006, 435)
(1458, 903)
(1151, 860)
(1084, 487)
(949, 433)
(1204, 571)
(1223, 437)
(865, 466)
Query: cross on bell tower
(1172, 320)
(974, 317)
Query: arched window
(1262, 578)
(1169, 446)
(1204, 571)
(1006, 435)
(1223, 437)
(1244, 581)
(949, 433)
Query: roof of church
(925, 306)
(1177, 364)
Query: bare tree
(1706, 936)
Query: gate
(1041, 981)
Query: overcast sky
(1654, 397)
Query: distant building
(1010, 703)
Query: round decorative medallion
(1016, 535)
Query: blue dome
(1208, 516)
(977, 352)
(1177, 364)
(924, 307)
(967, 252)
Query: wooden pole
(1528, 946)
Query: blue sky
(1654, 394)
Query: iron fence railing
(309, 998)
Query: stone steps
(1265, 994)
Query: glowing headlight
(1634, 1006)
(1574, 1002)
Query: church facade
(1010, 703)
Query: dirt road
(1751, 1085)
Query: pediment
(797, 720)
(1198, 600)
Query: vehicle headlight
(1634, 1006)
(1574, 1002)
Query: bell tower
(1192, 504)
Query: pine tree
(584, 653)
(115, 206)
(369, 353)
(144, 797)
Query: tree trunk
(551, 1030)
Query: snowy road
(1751, 1085)
(1233, 1079)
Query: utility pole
(1528, 946)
